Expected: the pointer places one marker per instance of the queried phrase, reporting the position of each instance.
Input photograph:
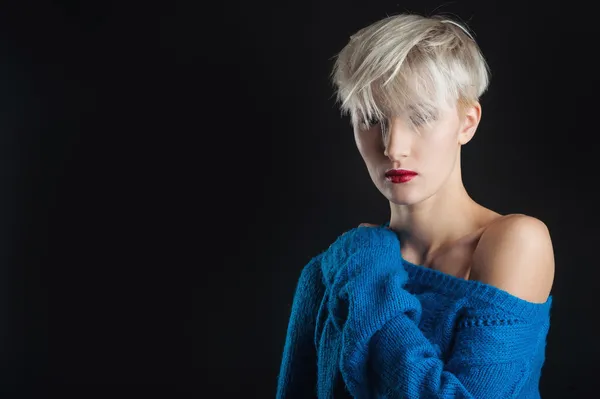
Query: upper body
(451, 299)
(367, 323)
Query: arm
(387, 355)
(298, 371)
(492, 357)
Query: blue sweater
(365, 323)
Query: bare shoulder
(515, 254)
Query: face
(432, 151)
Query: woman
(448, 299)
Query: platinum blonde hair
(408, 62)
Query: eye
(420, 119)
(369, 123)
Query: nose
(397, 140)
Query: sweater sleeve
(387, 355)
(298, 371)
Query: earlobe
(467, 134)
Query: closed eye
(416, 119)
(419, 119)
(369, 123)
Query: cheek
(441, 153)
(369, 144)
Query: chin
(398, 194)
(400, 201)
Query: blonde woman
(448, 299)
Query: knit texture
(365, 323)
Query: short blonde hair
(408, 61)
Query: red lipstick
(399, 175)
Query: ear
(469, 122)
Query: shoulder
(311, 273)
(515, 254)
(309, 286)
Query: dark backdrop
(167, 169)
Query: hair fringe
(408, 63)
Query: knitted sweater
(366, 323)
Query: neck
(440, 219)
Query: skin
(433, 208)
(439, 225)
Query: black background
(167, 169)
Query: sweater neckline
(453, 285)
(456, 286)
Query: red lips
(400, 175)
(400, 172)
